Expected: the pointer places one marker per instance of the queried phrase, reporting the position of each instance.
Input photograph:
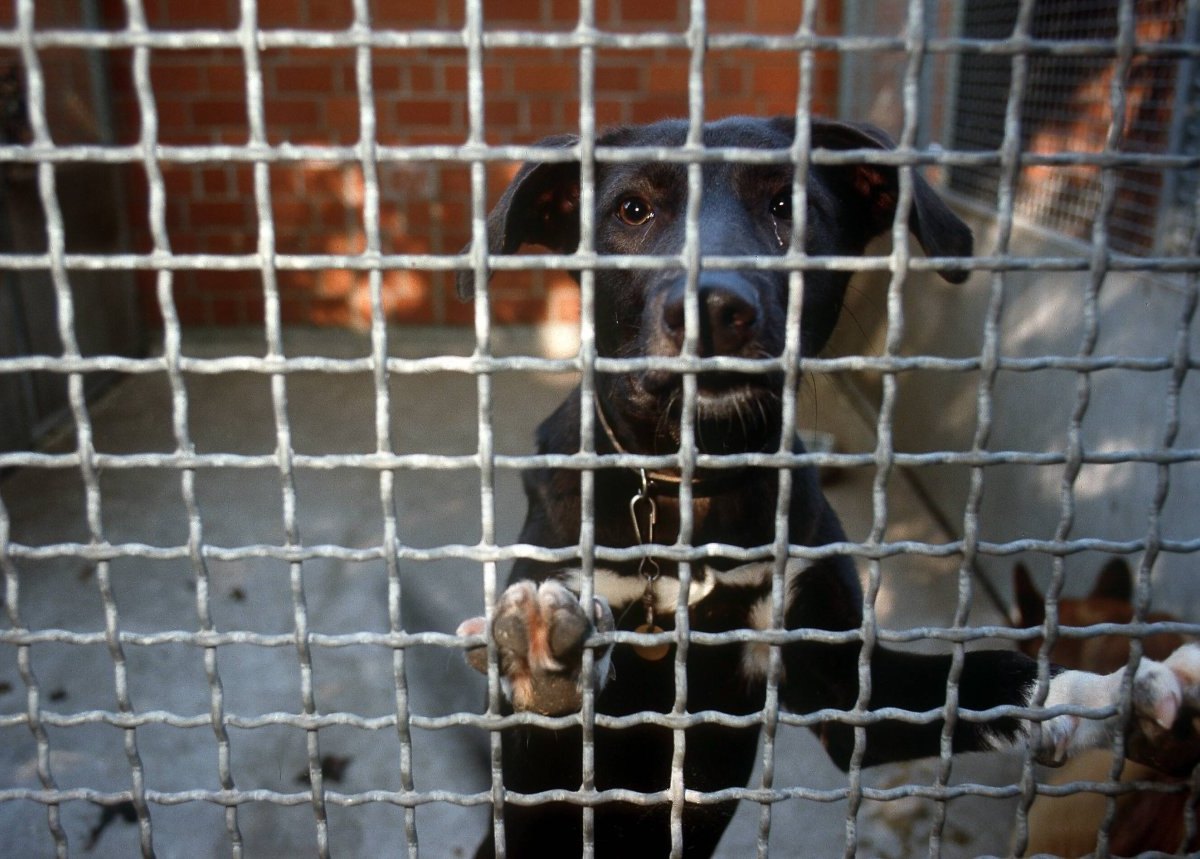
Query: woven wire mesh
(1019, 48)
(1065, 198)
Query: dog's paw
(1164, 731)
(540, 630)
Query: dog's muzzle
(731, 315)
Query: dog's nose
(729, 314)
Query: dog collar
(705, 483)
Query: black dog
(540, 627)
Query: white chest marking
(622, 590)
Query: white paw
(1166, 733)
(1185, 665)
(1160, 733)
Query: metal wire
(1017, 49)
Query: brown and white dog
(1069, 825)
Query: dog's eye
(634, 211)
(781, 205)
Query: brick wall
(310, 97)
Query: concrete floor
(334, 414)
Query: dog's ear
(876, 187)
(539, 207)
(1030, 607)
(1115, 581)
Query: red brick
(729, 80)
(229, 284)
(669, 74)
(664, 13)
(729, 15)
(385, 78)
(779, 16)
(281, 13)
(185, 241)
(206, 214)
(243, 175)
(290, 211)
(214, 182)
(329, 14)
(311, 76)
(500, 117)
(225, 72)
(412, 113)
(297, 281)
(454, 77)
(112, 14)
(320, 182)
(156, 12)
(46, 15)
(528, 310)
(422, 79)
(457, 180)
(516, 12)
(218, 114)
(232, 136)
(295, 120)
(405, 295)
(456, 216)
(174, 121)
(455, 311)
(608, 112)
(178, 180)
(342, 119)
(330, 312)
(606, 12)
(230, 242)
(629, 79)
(653, 109)
(165, 14)
(564, 13)
(294, 308)
(175, 78)
(546, 117)
(775, 83)
(332, 217)
(552, 75)
(336, 283)
(409, 14)
(829, 17)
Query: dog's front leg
(1163, 731)
(540, 630)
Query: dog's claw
(1053, 747)
(539, 632)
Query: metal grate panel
(1020, 56)
(1066, 110)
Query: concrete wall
(1138, 316)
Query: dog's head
(1111, 601)
(745, 210)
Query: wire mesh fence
(1065, 447)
